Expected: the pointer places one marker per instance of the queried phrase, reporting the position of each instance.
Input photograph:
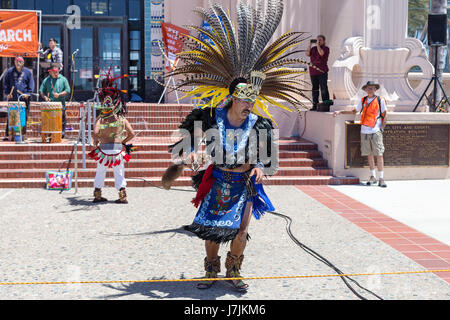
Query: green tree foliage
(417, 15)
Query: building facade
(107, 34)
(125, 34)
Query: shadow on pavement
(180, 230)
(83, 204)
(172, 290)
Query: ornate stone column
(383, 54)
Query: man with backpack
(373, 121)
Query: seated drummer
(55, 88)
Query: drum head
(16, 103)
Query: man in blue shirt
(18, 81)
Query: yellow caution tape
(223, 279)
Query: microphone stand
(72, 71)
(435, 81)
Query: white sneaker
(372, 180)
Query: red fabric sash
(205, 186)
(108, 163)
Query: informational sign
(406, 144)
(172, 42)
(18, 33)
(86, 74)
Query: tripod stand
(435, 81)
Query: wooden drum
(16, 118)
(51, 122)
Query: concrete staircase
(25, 165)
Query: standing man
(53, 54)
(18, 82)
(56, 88)
(111, 148)
(238, 131)
(229, 192)
(319, 58)
(373, 121)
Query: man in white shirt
(53, 54)
(373, 121)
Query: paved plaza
(48, 236)
(421, 204)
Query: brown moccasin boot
(98, 196)
(233, 265)
(122, 196)
(212, 268)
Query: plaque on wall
(406, 144)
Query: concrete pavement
(421, 204)
(52, 236)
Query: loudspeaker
(437, 29)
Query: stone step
(134, 116)
(175, 120)
(178, 115)
(318, 180)
(288, 147)
(180, 182)
(159, 107)
(136, 126)
(73, 134)
(159, 160)
(55, 155)
(151, 119)
(13, 148)
(150, 172)
(299, 154)
(25, 165)
(36, 106)
(160, 153)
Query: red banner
(18, 33)
(172, 42)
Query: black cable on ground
(322, 259)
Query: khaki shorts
(372, 144)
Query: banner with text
(173, 44)
(18, 33)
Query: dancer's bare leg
(212, 249)
(239, 243)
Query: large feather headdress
(213, 64)
(109, 95)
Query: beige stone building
(347, 26)
(368, 41)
